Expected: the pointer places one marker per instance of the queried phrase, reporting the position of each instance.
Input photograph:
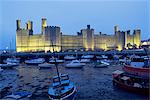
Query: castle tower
(18, 24)
(29, 25)
(88, 38)
(116, 29)
(44, 24)
(137, 37)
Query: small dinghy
(69, 57)
(100, 65)
(87, 56)
(85, 61)
(106, 62)
(18, 96)
(35, 61)
(45, 65)
(12, 60)
(8, 65)
(62, 88)
(75, 64)
(52, 61)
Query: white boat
(52, 60)
(85, 60)
(45, 65)
(87, 56)
(75, 64)
(69, 57)
(8, 65)
(12, 60)
(104, 57)
(106, 62)
(62, 88)
(99, 57)
(13, 64)
(35, 61)
(100, 64)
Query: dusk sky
(73, 15)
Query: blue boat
(63, 89)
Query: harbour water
(92, 83)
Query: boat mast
(56, 64)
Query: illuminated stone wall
(133, 39)
(52, 35)
(137, 39)
(36, 43)
(22, 40)
(26, 41)
(124, 39)
(71, 42)
(104, 41)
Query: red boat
(141, 72)
(139, 67)
(131, 84)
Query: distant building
(50, 36)
(145, 43)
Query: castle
(51, 38)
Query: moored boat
(12, 60)
(138, 67)
(45, 65)
(75, 64)
(8, 65)
(62, 88)
(87, 56)
(35, 61)
(131, 83)
(104, 57)
(52, 60)
(69, 57)
(100, 65)
(106, 62)
(85, 61)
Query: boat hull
(70, 96)
(45, 66)
(141, 72)
(32, 63)
(8, 66)
(143, 91)
(53, 62)
(74, 66)
(101, 66)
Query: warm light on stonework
(26, 41)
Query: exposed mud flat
(92, 83)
